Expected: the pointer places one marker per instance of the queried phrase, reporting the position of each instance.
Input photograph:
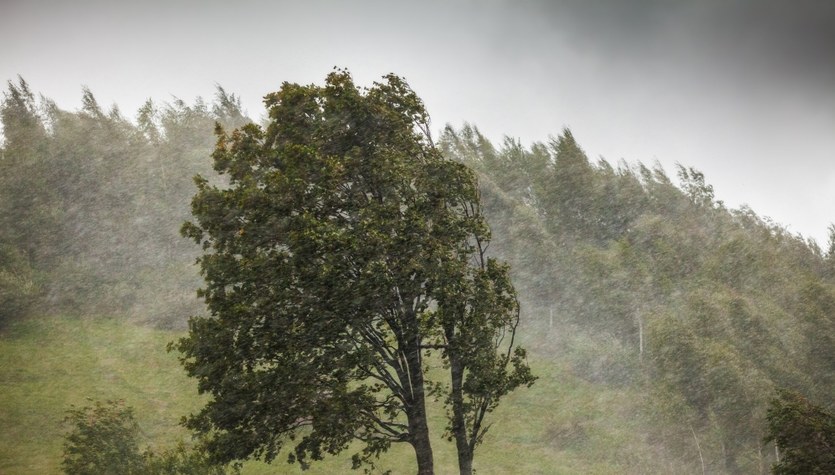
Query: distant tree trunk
(729, 459)
(760, 465)
(30, 255)
(640, 338)
(699, 449)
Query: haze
(742, 90)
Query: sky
(742, 90)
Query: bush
(103, 441)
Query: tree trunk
(416, 413)
(459, 426)
(423, 449)
(699, 449)
(640, 338)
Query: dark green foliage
(804, 434)
(343, 249)
(183, 460)
(103, 441)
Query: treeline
(631, 278)
(642, 282)
(91, 204)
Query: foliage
(183, 460)
(816, 305)
(343, 249)
(27, 183)
(804, 434)
(26, 225)
(830, 243)
(17, 285)
(92, 203)
(103, 441)
(717, 306)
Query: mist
(741, 90)
(658, 176)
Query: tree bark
(420, 442)
(416, 410)
(459, 425)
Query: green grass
(47, 365)
(563, 424)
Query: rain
(657, 176)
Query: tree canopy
(804, 432)
(343, 251)
(641, 282)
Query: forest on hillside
(628, 278)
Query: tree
(474, 309)
(816, 308)
(570, 195)
(344, 250)
(28, 216)
(830, 252)
(693, 184)
(804, 434)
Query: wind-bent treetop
(340, 251)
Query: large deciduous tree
(342, 251)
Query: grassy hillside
(562, 425)
(660, 322)
(48, 364)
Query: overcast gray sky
(743, 90)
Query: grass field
(563, 424)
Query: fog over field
(743, 90)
